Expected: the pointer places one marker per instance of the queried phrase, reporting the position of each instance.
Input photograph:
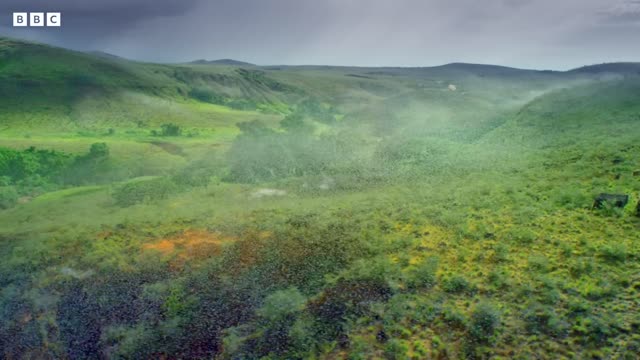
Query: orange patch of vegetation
(190, 244)
(164, 246)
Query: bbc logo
(37, 19)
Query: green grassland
(244, 212)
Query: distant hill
(54, 86)
(230, 62)
(105, 55)
(632, 68)
(480, 67)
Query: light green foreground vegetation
(200, 211)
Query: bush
(539, 263)
(522, 235)
(170, 129)
(454, 318)
(498, 279)
(572, 199)
(424, 275)
(593, 330)
(143, 191)
(614, 253)
(457, 284)
(541, 319)
(8, 197)
(485, 320)
(396, 349)
(281, 304)
(206, 95)
(98, 150)
(610, 210)
(24, 166)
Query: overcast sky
(541, 34)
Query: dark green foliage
(8, 197)
(522, 235)
(34, 171)
(614, 253)
(396, 349)
(89, 168)
(143, 191)
(539, 263)
(594, 330)
(484, 322)
(573, 198)
(170, 129)
(424, 274)
(98, 151)
(281, 304)
(274, 331)
(206, 95)
(454, 318)
(31, 166)
(541, 319)
(457, 284)
(609, 209)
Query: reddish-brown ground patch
(189, 245)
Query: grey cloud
(524, 33)
(86, 21)
(622, 12)
(100, 9)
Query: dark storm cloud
(525, 33)
(87, 21)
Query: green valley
(224, 210)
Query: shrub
(98, 150)
(8, 197)
(541, 319)
(500, 252)
(522, 235)
(454, 318)
(206, 95)
(610, 210)
(485, 320)
(614, 253)
(593, 330)
(539, 263)
(396, 349)
(572, 199)
(457, 284)
(282, 303)
(581, 266)
(424, 275)
(170, 129)
(143, 191)
(498, 279)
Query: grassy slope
(511, 216)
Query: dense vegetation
(342, 213)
